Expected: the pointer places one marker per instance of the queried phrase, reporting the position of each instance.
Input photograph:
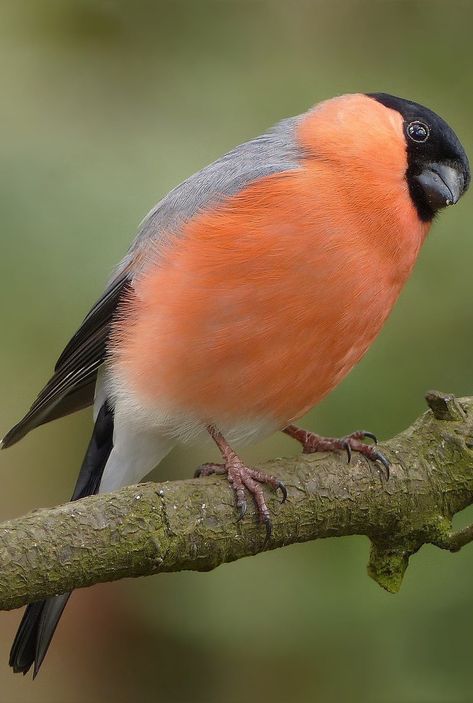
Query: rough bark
(178, 525)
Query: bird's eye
(418, 131)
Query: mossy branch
(178, 525)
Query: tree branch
(178, 525)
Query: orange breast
(260, 307)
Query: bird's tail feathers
(40, 619)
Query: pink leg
(242, 478)
(353, 442)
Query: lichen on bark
(172, 526)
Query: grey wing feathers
(72, 386)
(274, 152)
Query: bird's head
(382, 140)
(438, 171)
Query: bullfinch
(249, 292)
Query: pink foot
(242, 479)
(353, 442)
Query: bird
(250, 291)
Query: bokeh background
(104, 106)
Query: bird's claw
(242, 507)
(384, 461)
(266, 520)
(370, 435)
(353, 442)
(360, 435)
(243, 478)
(347, 447)
(280, 486)
(209, 470)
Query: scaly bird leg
(241, 477)
(353, 442)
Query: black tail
(40, 619)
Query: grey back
(273, 152)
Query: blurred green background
(105, 105)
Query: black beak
(442, 185)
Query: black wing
(72, 386)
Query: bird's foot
(242, 478)
(209, 470)
(353, 442)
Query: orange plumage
(250, 291)
(264, 303)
